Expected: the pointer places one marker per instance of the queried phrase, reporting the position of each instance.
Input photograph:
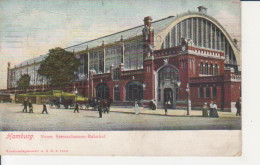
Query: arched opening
(102, 91)
(134, 91)
(167, 87)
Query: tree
(59, 67)
(24, 82)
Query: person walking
(166, 104)
(99, 107)
(25, 105)
(30, 107)
(136, 108)
(238, 107)
(205, 110)
(76, 108)
(44, 108)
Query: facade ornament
(165, 61)
(149, 49)
(146, 32)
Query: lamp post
(177, 84)
(76, 93)
(188, 99)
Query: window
(116, 74)
(102, 91)
(201, 92)
(116, 93)
(201, 68)
(211, 69)
(214, 92)
(134, 91)
(207, 92)
(216, 69)
(206, 68)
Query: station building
(190, 55)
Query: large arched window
(102, 91)
(204, 33)
(134, 91)
(168, 73)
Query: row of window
(134, 91)
(208, 69)
(207, 92)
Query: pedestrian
(211, 106)
(76, 108)
(30, 107)
(99, 107)
(238, 107)
(205, 110)
(44, 108)
(214, 110)
(166, 105)
(25, 105)
(136, 108)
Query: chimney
(202, 9)
(148, 21)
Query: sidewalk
(171, 112)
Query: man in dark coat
(166, 104)
(30, 107)
(76, 108)
(25, 106)
(44, 108)
(238, 106)
(99, 106)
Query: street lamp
(188, 99)
(76, 93)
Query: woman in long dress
(215, 111)
(205, 110)
(136, 108)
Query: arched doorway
(102, 91)
(134, 91)
(167, 89)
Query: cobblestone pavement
(120, 118)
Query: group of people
(27, 104)
(211, 111)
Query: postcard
(123, 78)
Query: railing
(233, 77)
(98, 76)
(206, 79)
(169, 51)
(132, 72)
(205, 52)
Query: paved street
(13, 119)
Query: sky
(29, 28)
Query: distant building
(148, 62)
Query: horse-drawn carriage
(61, 102)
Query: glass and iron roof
(126, 34)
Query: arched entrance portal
(167, 89)
(102, 91)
